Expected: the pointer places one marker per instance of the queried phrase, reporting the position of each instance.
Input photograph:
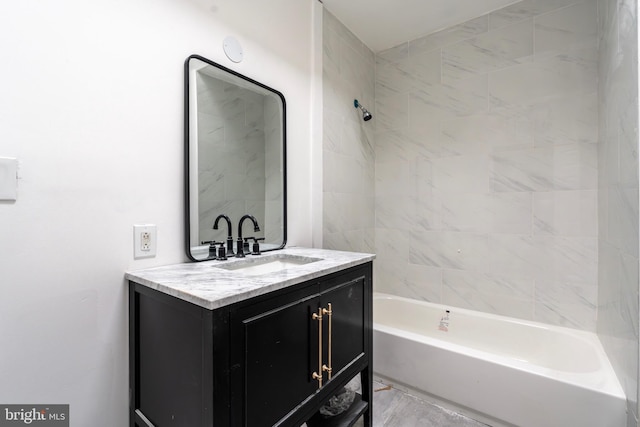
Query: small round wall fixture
(232, 49)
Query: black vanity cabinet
(254, 363)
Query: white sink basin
(255, 267)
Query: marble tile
(449, 35)
(513, 255)
(483, 133)
(350, 240)
(468, 135)
(566, 213)
(426, 67)
(503, 296)
(447, 177)
(348, 144)
(210, 137)
(622, 215)
(497, 304)
(432, 140)
(428, 212)
(457, 250)
(490, 284)
(618, 204)
(332, 124)
(394, 79)
(522, 170)
(511, 213)
(331, 51)
(392, 113)
(428, 208)
(530, 83)
(406, 75)
(457, 98)
(399, 145)
(567, 28)
(566, 303)
(628, 146)
(566, 259)
(571, 315)
(524, 10)
(356, 142)
(348, 175)
(627, 24)
(355, 70)
(334, 92)
(490, 51)
(395, 179)
(331, 23)
(422, 283)
(333, 217)
(361, 213)
(566, 119)
(395, 54)
(466, 212)
(629, 277)
(394, 211)
(575, 167)
(496, 133)
(393, 246)
(388, 278)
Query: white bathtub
(502, 370)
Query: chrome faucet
(229, 232)
(240, 244)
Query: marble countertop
(214, 284)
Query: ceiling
(382, 24)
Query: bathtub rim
(604, 380)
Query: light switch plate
(8, 178)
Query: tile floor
(394, 408)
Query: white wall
(91, 102)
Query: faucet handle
(222, 253)
(245, 245)
(256, 246)
(212, 247)
(239, 248)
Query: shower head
(366, 115)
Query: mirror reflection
(235, 161)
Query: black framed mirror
(235, 158)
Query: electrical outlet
(144, 241)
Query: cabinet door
(277, 354)
(346, 340)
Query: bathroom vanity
(260, 341)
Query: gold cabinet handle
(328, 311)
(318, 375)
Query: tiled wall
(231, 156)
(348, 147)
(486, 164)
(618, 192)
(506, 166)
(273, 219)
